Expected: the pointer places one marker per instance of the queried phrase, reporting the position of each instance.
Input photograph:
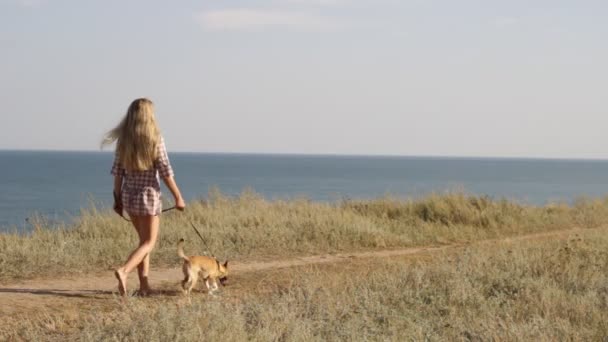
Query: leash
(200, 236)
(165, 210)
(217, 262)
(116, 200)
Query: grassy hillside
(250, 226)
(541, 290)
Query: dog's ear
(226, 263)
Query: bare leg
(122, 281)
(120, 274)
(143, 268)
(147, 228)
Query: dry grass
(250, 226)
(550, 290)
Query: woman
(139, 159)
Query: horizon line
(329, 154)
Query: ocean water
(56, 185)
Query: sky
(384, 77)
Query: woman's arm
(179, 201)
(165, 170)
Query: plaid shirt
(141, 189)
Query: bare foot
(122, 281)
(144, 291)
(144, 287)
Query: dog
(209, 267)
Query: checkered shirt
(141, 189)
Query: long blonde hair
(137, 136)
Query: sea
(56, 186)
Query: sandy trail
(92, 291)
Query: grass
(249, 226)
(541, 290)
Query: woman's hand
(117, 204)
(179, 200)
(118, 208)
(180, 204)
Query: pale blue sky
(411, 77)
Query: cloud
(30, 3)
(244, 19)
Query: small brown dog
(209, 267)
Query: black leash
(217, 262)
(200, 236)
(164, 210)
(116, 200)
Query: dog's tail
(180, 250)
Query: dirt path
(55, 295)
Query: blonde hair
(137, 137)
